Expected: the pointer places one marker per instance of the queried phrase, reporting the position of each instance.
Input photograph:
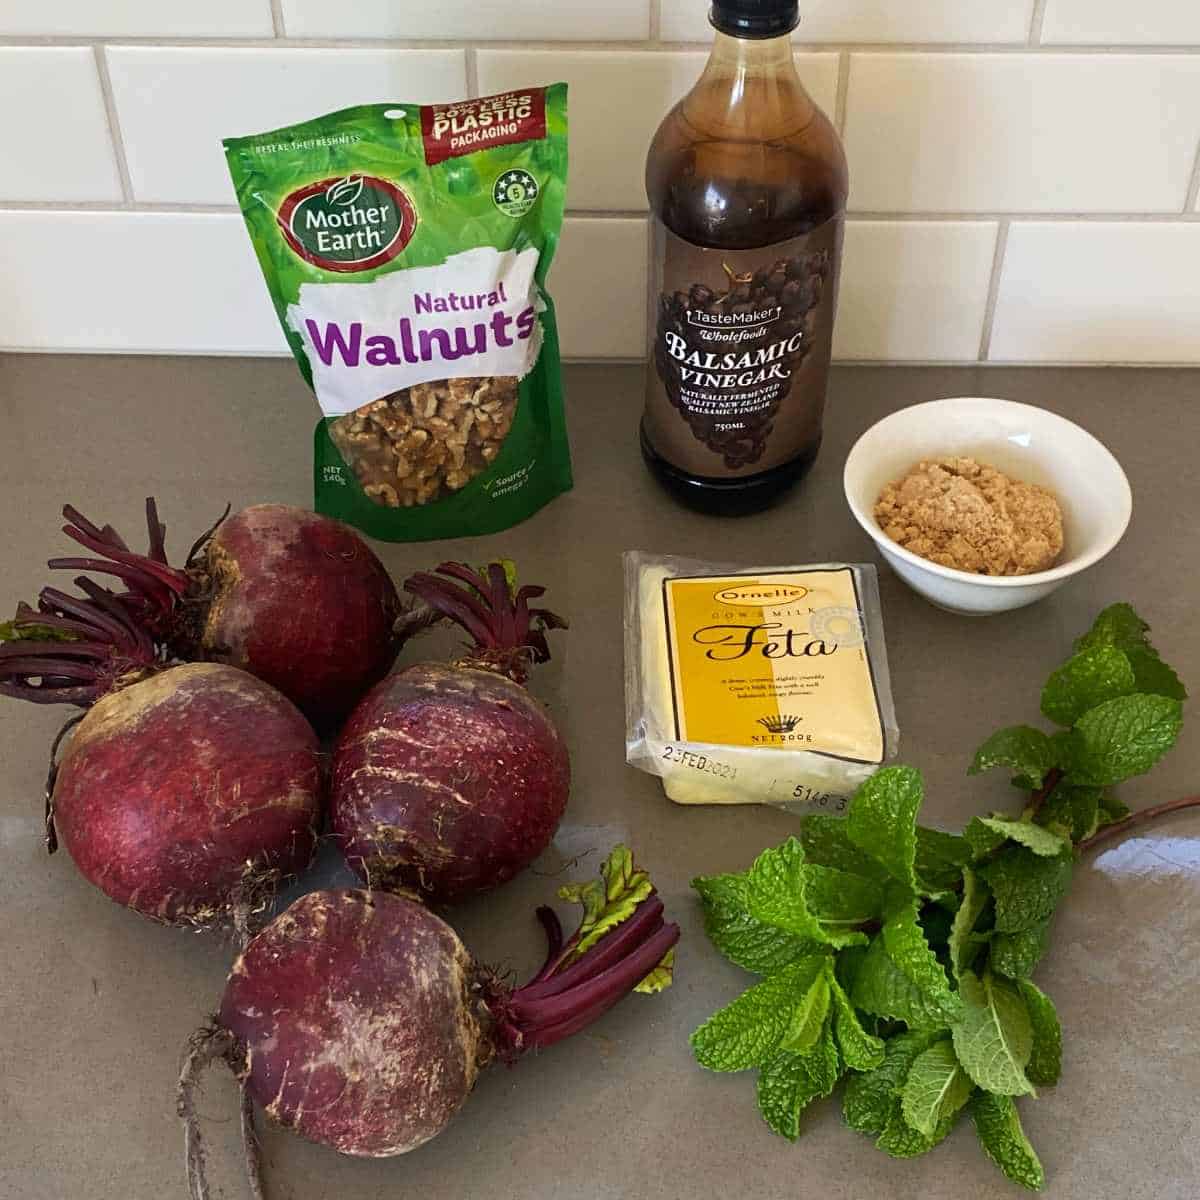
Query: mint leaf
(1041, 841)
(1093, 676)
(1004, 1141)
(1016, 955)
(881, 988)
(882, 821)
(747, 1032)
(776, 891)
(1118, 625)
(750, 943)
(862, 1051)
(1123, 738)
(808, 1018)
(1027, 887)
(871, 1099)
(1152, 676)
(936, 1088)
(940, 859)
(789, 1082)
(982, 839)
(901, 1140)
(907, 948)
(1022, 749)
(1112, 809)
(994, 1040)
(838, 898)
(1045, 1062)
(974, 901)
(1072, 812)
(827, 844)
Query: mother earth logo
(348, 223)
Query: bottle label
(742, 342)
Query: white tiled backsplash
(1024, 172)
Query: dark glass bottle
(747, 184)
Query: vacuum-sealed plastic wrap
(756, 685)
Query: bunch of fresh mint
(899, 958)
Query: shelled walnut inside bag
(418, 444)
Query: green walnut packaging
(406, 249)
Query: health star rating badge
(514, 192)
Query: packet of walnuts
(406, 249)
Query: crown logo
(780, 724)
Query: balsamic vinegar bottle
(747, 184)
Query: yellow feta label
(775, 661)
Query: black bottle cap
(755, 18)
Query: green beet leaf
(1002, 1138)
(883, 989)
(808, 1018)
(882, 821)
(907, 948)
(1027, 887)
(936, 1089)
(994, 1040)
(861, 1050)
(1041, 841)
(940, 859)
(1045, 1061)
(1091, 677)
(1023, 750)
(1016, 955)
(747, 1032)
(1123, 738)
(607, 901)
(974, 900)
(789, 1082)
(744, 940)
(870, 1100)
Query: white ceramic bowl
(1025, 442)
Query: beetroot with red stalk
(297, 599)
(185, 792)
(359, 1020)
(449, 778)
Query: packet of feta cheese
(756, 685)
(406, 248)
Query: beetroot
(297, 599)
(359, 1020)
(184, 792)
(449, 779)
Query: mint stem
(1053, 778)
(1144, 817)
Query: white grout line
(114, 125)
(277, 18)
(843, 92)
(641, 214)
(1193, 192)
(655, 21)
(989, 312)
(633, 46)
(472, 71)
(1038, 22)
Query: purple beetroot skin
(295, 598)
(449, 779)
(359, 1020)
(184, 792)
